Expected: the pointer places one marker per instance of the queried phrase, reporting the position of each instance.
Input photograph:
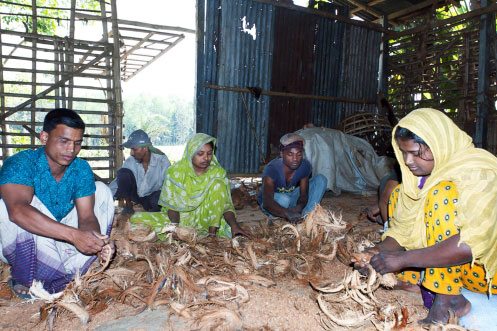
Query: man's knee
(284, 200)
(125, 175)
(320, 181)
(104, 205)
(102, 192)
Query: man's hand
(293, 216)
(89, 242)
(392, 261)
(107, 252)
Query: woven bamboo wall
(39, 72)
(436, 65)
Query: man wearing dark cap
(287, 189)
(140, 178)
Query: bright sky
(174, 72)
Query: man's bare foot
(405, 286)
(439, 312)
(19, 290)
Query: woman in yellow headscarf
(443, 217)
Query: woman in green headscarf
(196, 193)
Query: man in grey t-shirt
(140, 178)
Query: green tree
(168, 120)
(50, 17)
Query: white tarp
(349, 163)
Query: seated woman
(196, 193)
(443, 216)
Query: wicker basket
(374, 128)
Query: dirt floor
(283, 300)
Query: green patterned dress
(200, 200)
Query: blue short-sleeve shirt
(274, 170)
(30, 168)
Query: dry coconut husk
(219, 319)
(202, 278)
(345, 249)
(387, 280)
(322, 219)
(139, 233)
(188, 235)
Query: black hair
(406, 134)
(213, 146)
(64, 116)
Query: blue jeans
(317, 187)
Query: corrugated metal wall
(294, 52)
(293, 71)
(233, 58)
(359, 77)
(327, 70)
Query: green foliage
(49, 19)
(168, 120)
(18, 140)
(440, 88)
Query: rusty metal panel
(293, 64)
(239, 59)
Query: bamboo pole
(116, 70)
(290, 95)
(3, 125)
(50, 89)
(69, 55)
(34, 56)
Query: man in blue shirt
(287, 189)
(54, 218)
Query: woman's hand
(373, 214)
(389, 261)
(236, 230)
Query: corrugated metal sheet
(235, 59)
(312, 55)
(293, 71)
(359, 78)
(327, 71)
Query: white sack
(348, 162)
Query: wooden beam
(412, 9)
(369, 4)
(135, 23)
(382, 63)
(155, 58)
(141, 42)
(364, 24)
(53, 87)
(366, 8)
(162, 33)
(290, 95)
(487, 31)
(471, 14)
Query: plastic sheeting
(349, 163)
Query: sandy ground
(290, 305)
